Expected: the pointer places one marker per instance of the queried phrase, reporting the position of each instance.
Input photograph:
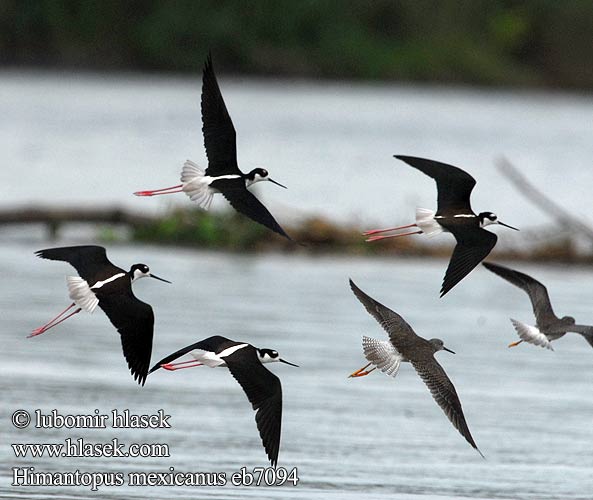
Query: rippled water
(529, 409)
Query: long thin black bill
(286, 362)
(277, 183)
(160, 279)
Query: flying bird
(404, 345)
(548, 326)
(105, 285)
(223, 174)
(454, 215)
(246, 364)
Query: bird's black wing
(472, 247)
(401, 334)
(444, 394)
(220, 138)
(264, 391)
(210, 344)
(538, 294)
(245, 202)
(134, 321)
(90, 261)
(454, 185)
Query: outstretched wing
(134, 321)
(454, 185)
(90, 261)
(245, 202)
(400, 333)
(585, 330)
(538, 294)
(264, 391)
(444, 394)
(220, 138)
(211, 344)
(472, 247)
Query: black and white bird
(404, 345)
(223, 174)
(105, 285)
(454, 215)
(548, 326)
(246, 364)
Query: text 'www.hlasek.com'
(78, 447)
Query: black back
(262, 387)
(214, 344)
(90, 261)
(133, 319)
(220, 138)
(220, 141)
(454, 185)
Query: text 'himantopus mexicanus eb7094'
(549, 326)
(405, 345)
(454, 215)
(223, 174)
(245, 362)
(110, 287)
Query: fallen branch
(58, 216)
(559, 214)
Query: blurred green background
(540, 43)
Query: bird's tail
(195, 186)
(531, 334)
(382, 354)
(425, 220)
(81, 294)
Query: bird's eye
(264, 173)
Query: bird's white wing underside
(81, 294)
(531, 334)
(382, 354)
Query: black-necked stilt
(223, 174)
(454, 215)
(245, 363)
(110, 287)
(548, 326)
(405, 345)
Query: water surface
(528, 408)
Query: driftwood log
(56, 217)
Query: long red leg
(42, 328)
(376, 231)
(377, 238)
(177, 366)
(53, 322)
(156, 192)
